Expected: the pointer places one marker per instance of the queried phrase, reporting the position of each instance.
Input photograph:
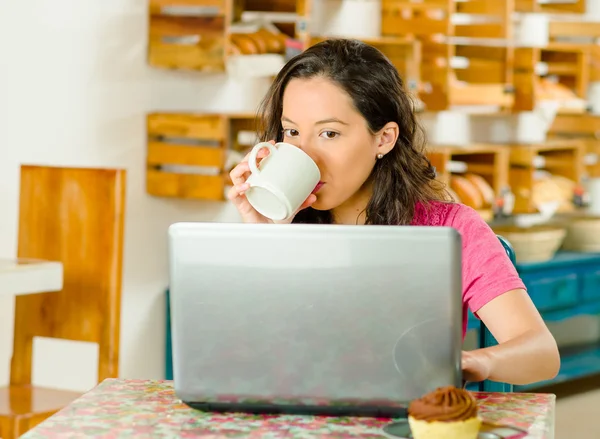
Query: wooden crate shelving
(466, 59)
(200, 35)
(585, 127)
(188, 34)
(186, 155)
(490, 162)
(569, 63)
(572, 56)
(559, 157)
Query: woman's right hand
(236, 194)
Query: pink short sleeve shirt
(487, 270)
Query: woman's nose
(311, 152)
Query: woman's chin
(321, 204)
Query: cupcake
(446, 413)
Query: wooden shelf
(564, 158)
(570, 63)
(458, 166)
(457, 74)
(551, 6)
(186, 155)
(585, 127)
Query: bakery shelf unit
(585, 127)
(250, 37)
(559, 71)
(558, 159)
(477, 175)
(465, 55)
(203, 35)
(571, 59)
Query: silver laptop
(319, 319)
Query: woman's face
(319, 117)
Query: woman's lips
(317, 187)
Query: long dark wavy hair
(401, 179)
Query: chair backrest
(76, 216)
(486, 338)
(510, 251)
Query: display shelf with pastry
(255, 50)
(209, 35)
(559, 73)
(562, 159)
(476, 174)
(466, 55)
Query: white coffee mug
(282, 181)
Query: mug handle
(252, 158)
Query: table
(29, 276)
(119, 408)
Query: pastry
(260, 41)
(466, 191)
(446, 413)
(274, 44)
(245, 44)
(484, 188)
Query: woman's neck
(353, 211)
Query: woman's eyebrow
(321, 122)
(331, 120)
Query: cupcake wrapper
(468, 429)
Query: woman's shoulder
(442, 214)
(449, 214)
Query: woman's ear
(387, 137)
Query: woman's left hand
(476, 366)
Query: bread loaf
(274, 45)
(246, 45)
(260, 41)
(466, 191)
(484, 188)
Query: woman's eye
(290, 132)
(329, 134)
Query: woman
(344, 104)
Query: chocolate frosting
(446, 404)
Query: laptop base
(306, 410)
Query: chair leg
(7, 428)
(13, 428)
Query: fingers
(236, 192)
(309, 201)
(239, 173)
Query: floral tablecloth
(150, 409)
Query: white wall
(74, 90)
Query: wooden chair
(75, 216)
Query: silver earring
(380, 156)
